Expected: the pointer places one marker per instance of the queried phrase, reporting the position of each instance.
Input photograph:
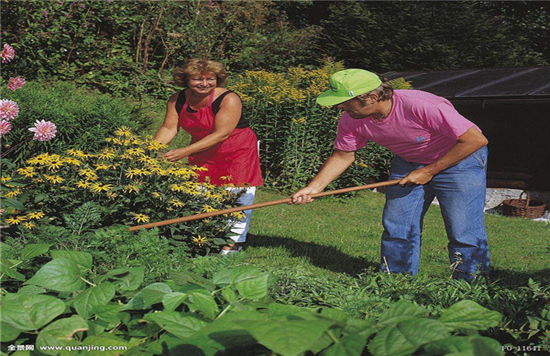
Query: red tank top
(233, 161)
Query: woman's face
(202, 83)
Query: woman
(221, 139)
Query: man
(438, 153)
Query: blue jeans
(460, 191)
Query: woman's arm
(225, 122)
(169, 128)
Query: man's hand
(175, 155)
(302, 196)
(416, 177)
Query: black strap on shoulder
(180, 102)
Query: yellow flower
(82, 184)
(88, 173)
(208, 209)
(155, 146)
(140, 217)
(112, 195)
(15, 220)
(40, 159)
(226, 178)
(27, 172)
(177, 187)
(176, 203)
(77, 153)
(301, 120)
(34, 215)
(6, 179)
(98, 187)
(200, 240)
(54, 164)
(156, 195)
(123, 131)
(137, 172)
(72, 161)
(135, 151)
(239, 215)
(131, 188)
(13, 193)
(99, 167)
(54, 179)
(29, 225)
(107, 153)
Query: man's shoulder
(418, 98)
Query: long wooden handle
(260, 205)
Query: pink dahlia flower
(5, 127)
(8, 109)
(8, 53)
(43, 130)
(16, 83)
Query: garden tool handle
(260, 205)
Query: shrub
(84, 118)
(295, 133)
(121, 184)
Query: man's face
(358, 109)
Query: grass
(331, 237)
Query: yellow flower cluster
(124, 174)
(294, 86)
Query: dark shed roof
(519, 82)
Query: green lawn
(333, 236)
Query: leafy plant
(229, 312)
(122, 184)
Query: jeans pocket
(481, 156)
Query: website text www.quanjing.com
(83, 348)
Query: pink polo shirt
(420, 128)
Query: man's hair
(384, 91)
(197, 66)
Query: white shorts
(239, 228)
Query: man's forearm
(335, 165)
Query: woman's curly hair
(197, 66)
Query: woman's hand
(175, 155)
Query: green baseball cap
(347, 84)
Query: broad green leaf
(60, 274)
(31, 289)
(349, 345)
(283, 311)
(400, 311)
(33, 250)
(30, 311)
(288, 338)
(84, 260)
(173, 300)
(229, 295)
(235, 275)
(9, 333)
(362, 327)
(8, 269)
(183, 278)
(467, 345)
(14, 203)
(203, 301)
(467, 314)
(180, 324)
(98, 345)
(93, 297)
(61, 333)
(254, 288)
(127, 279)
(231, 329)
(108, 313)
(145, 298)
(405, 337)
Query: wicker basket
(523, 208)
